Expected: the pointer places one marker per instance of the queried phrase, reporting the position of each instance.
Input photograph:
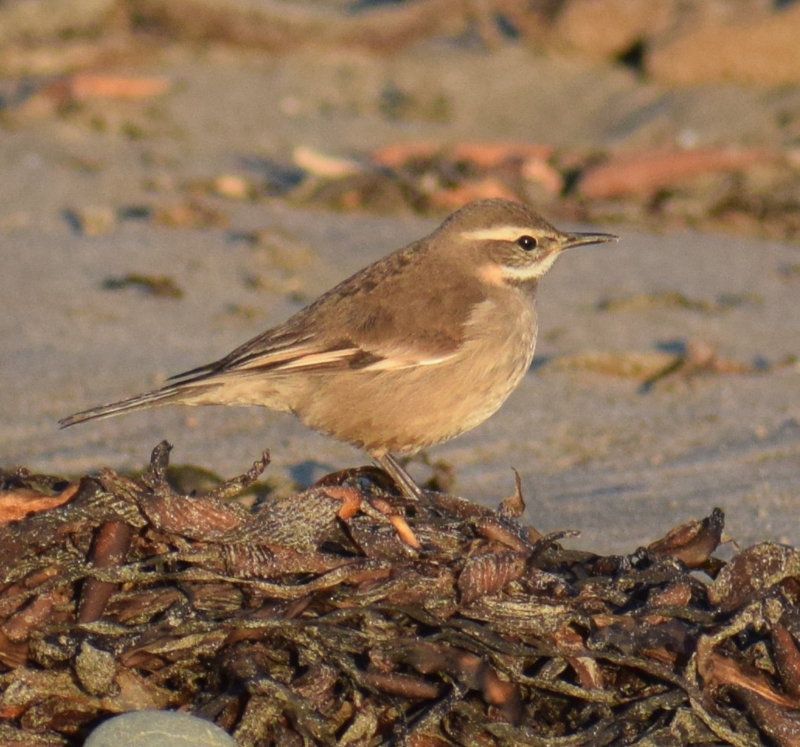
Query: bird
(410, 352)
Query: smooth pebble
(158, 729)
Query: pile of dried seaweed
(345, 615)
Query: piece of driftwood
(347, 615)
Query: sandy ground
(595, 452)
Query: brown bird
(411, 351)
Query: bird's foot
(401, 478)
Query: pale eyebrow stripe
(500, 233)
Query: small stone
(759, 49)
(233, 186)
(603, 29)
(158, 729)
(93, 220)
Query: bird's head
(508, 241)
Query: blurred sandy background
(179, 175)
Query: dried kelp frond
(349, 615)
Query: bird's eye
(527, 243)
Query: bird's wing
(274, 354)
(369, 322)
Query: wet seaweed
(347, 614)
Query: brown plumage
(413, 350)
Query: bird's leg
(402, 479)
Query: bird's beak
(582, 239)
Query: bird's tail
(168, 395)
